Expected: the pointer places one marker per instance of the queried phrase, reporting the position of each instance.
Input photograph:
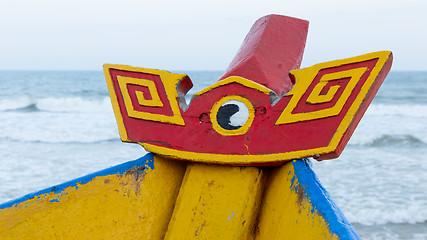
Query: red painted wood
(273, 47)
(264, 137)
(362, 109)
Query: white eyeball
(232, 115)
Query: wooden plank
(217, 202)
(130, 201)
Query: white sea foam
(17, 103)
(413, 110)
(74, 104)
(410, 212)
(392, 124)
(377, 186)
(50, 104)
(54, 127)
(57, 120)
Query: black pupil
(224, 114)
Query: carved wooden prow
(263, 111)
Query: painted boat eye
(232, 115)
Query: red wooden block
(273, 47)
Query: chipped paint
(232, 215)
(139, 200)
(298, 207)
(132, 200)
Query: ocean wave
(412, 214)
(54, 127)
(15, 104)
(394, 140)
(66, 104)
(71, 140)
(32, 107)
(409, 110)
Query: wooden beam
(217, 202)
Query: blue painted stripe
(145, 161)
(321, 201)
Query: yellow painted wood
(286, 214)
(305, 76)
(316, 96)
(169, 80)
(217, 202)
(232, 159)
(108, 207)
(235, 79)
(153, 102)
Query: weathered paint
(130, 201)
(316, 118)
(145, 199)
(217, 202)
(296, 206)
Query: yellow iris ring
(243, 129)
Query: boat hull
(158, 198)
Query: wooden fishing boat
(232, 164)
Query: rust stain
(301, 197)
(138, 176)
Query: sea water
(57, 126)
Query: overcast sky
(199, 35)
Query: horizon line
(171, 70)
